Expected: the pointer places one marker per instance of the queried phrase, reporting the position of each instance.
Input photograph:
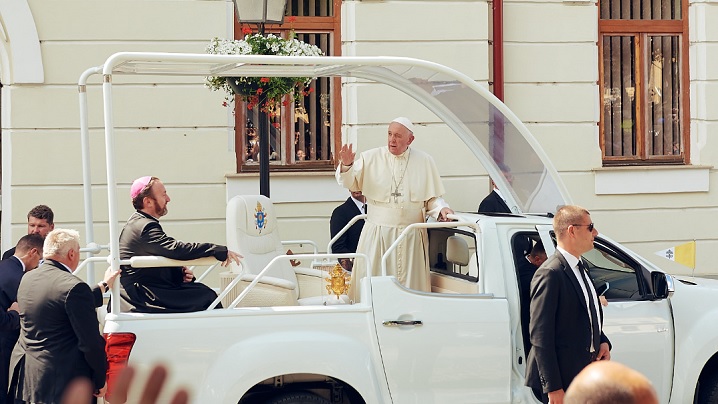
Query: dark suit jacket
(162, 290)
(59, 338)
(11, 271)
(341, 215)
(493, 203)
(560, 327)
(9, 253)
(525, 272)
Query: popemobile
(291, 335)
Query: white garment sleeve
(434, 205)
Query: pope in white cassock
(402, 186)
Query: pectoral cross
(396, 194)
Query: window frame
(330, 25)
(641, 30)
(605, 247)
(450, 272)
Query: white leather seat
(252, 231)
(457, 251)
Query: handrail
(149, 261)
(271, 263)
(344, 230)
(205, 273)
(86, 167)
(94, 248)
(85, 263)
(91, 249)
(300, 242)
(410, 228)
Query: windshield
(508, 152)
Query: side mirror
(662, 285)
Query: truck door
(639, 328)
(449, 347)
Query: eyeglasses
(590, 226)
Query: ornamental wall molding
(20, 45)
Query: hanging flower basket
(267, 92)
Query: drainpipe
(498, 48)
(497, 140)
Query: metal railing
(264, 271)
(412, 227)
(344, 230)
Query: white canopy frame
(429, 83)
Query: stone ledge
(651, 179)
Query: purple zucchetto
(138, 185)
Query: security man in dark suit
(28, 253)
(526, 268)
(40, 220)
(59, 332)
(342, 214)
(566, 317)
(494, 201)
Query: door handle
(397, 323)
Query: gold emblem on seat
(338, 281)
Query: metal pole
(263, 134)
(111, 183)
(263, 154)
(86, 168)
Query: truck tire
(299, 398)
(708, 390)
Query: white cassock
(399, 190)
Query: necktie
(364, 207)
(596, 336)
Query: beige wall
(176, 129)
(170, 127)
(648, 210)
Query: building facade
(620, 98)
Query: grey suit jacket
(560, 327)
(59, 335)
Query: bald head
(607, 382)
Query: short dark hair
(137, 200)
(41, 212)
(566, 216)
(28, 242)
(537, 249)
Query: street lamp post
(262, 12)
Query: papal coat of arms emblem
(338, 281)
(260, 218)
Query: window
(608, 264)
(626, 279)
(452, 261)
(302, 135)
(644, 81)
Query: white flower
(265, 45)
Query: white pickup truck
(460, 343)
